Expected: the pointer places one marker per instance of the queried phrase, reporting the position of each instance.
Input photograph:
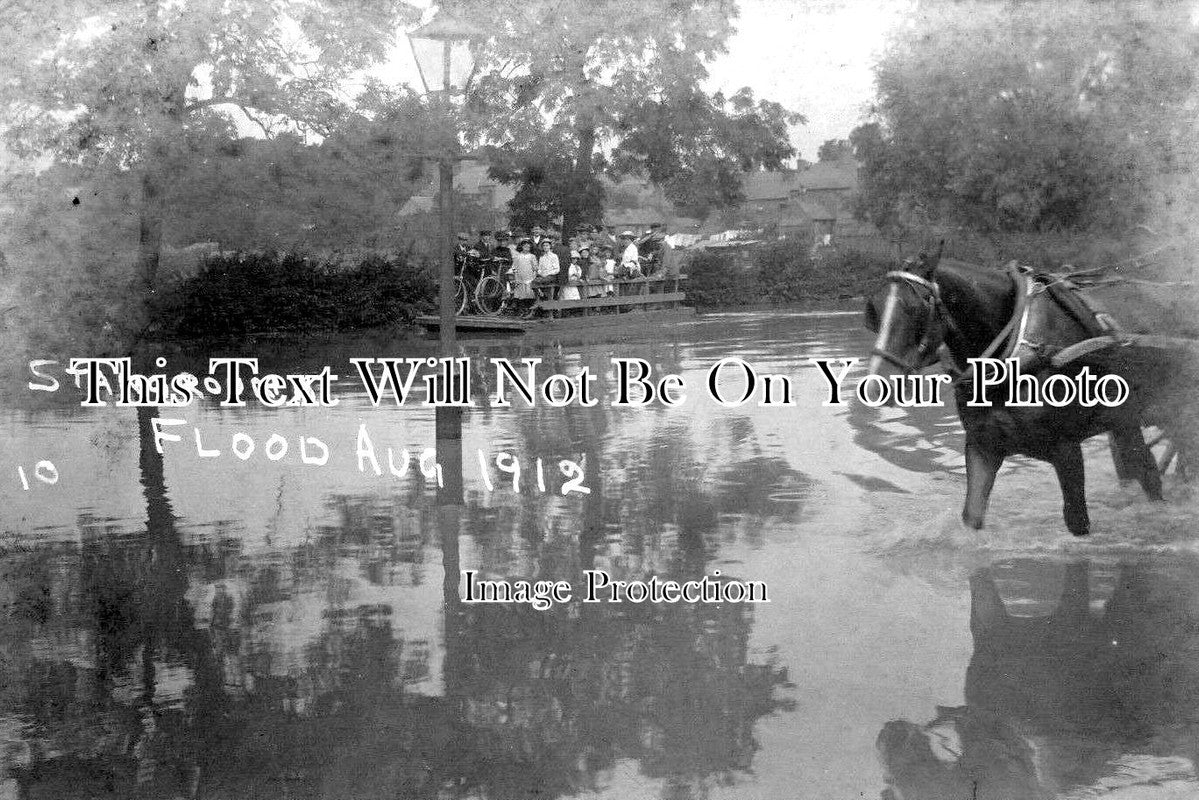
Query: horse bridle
(1012, 332)
(932, 338)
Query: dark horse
(966, 311)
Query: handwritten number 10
(44, 471)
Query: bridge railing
(617, 295)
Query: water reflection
(1084, 680)
(175, 661)
(178, 627)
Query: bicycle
(474, 272)
(493, 294)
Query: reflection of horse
(1073, 698)
(974, 312)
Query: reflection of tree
(568, 692)
(655, 488)
(670, 686)
(1064, 698)
(165, 664)
(102, 713)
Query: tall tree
(138, 86)
(573, 87)
(834, 150)
(284, 193)
(1023, 116)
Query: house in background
(488, 198)
(813, 202)
(485, 206)
(635, 204)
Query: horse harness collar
(1028, 284)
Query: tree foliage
(546, 180)
(1029, 117)
(115, 81)
(282, 193)
(573, 88)
(697, 147)
(835, 150)
(144, 87)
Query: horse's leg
(987, 611)
(1067, 462)
(982, 465)
(1129, 443)
(1074, 606)
(1127, 468)
(1168, 456)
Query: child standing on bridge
(574, 275)
(524, 270)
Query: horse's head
(906, 316)
(964, 752)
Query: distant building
(470, 180)
(486, 206)
(813, 202)
(635, 204)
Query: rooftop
(780, 184)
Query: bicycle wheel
(460, 294)
(490, 295)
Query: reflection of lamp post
(443, 47)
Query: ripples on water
(175, 627)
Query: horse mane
(981, 299)
(986, 278)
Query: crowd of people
(541, 265)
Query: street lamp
(442, 47)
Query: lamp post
(441, 47)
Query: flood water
(177, 626)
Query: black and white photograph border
(680, 399)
